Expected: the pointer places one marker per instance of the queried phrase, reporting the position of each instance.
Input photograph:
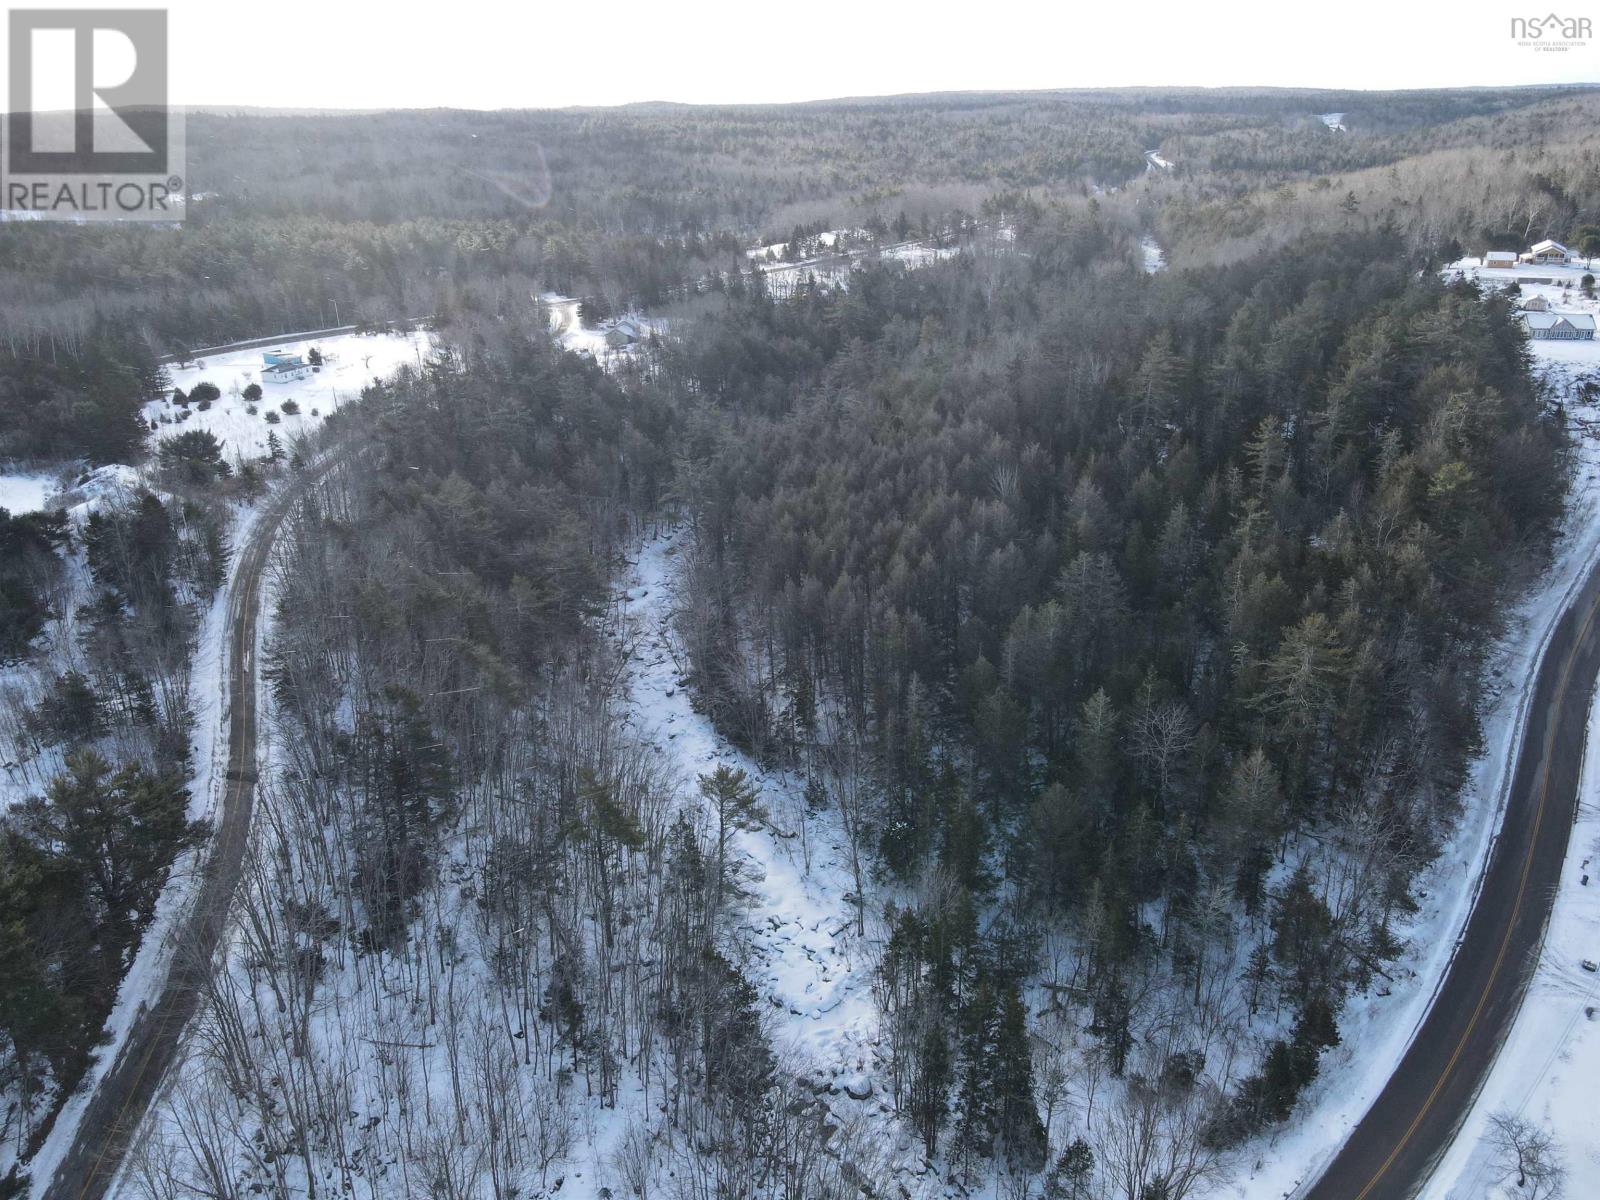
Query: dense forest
(1128, 626)
(1118, 635)
(1154, 606)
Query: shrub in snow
(290, 408)
(252, 392)
(272, 418)
(205, 391)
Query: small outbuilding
(1536, 304)
(1500, 260)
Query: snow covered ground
(566, 324)
(148, 972)
(25, 491)
(799, 933)
(828, 239)
(1376, 1028)
(351, 362)
(834, 269)
(1153, 157)
(1155, 259)
(354, 362)
(1334, 122)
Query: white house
(1547, 252)
(624, 332)
(1567, 327)
(285, 372)
(1500, 260)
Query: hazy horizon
(316, 57)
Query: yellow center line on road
(1516, 908)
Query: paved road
(124, 1094)
(1392, 1153)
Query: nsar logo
(1551, 32)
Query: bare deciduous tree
(1527, 1160)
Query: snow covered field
(1377, 1028)
(351, 362)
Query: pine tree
(735, 802)
(1070, 1175)
(975, 1101)
(1020, 1132)
(930, 1082)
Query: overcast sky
(478, 54)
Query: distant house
(1500, 260)
(1536, 304)
(286, 372)
(1553, 326)
(279, 356)
(1547, 252)
(624, 332)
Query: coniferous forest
(1096, 653)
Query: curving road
(1393, 1150)
(113, 1115)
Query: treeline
(301, 222)
(1500, 181)
(77, 395)
(1156, 608)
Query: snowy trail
(798, 932)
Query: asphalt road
(125, 1092)
(1393, 1151)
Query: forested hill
(1142, 596)
(1123, 633)
(294, 219)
